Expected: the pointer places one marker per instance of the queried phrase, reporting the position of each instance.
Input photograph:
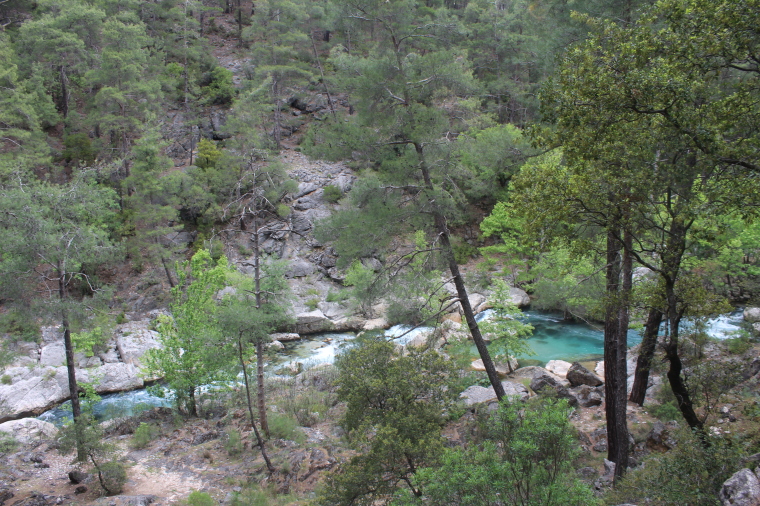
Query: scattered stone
(205, 437)
(579, 375)
(5, 494)
(76, 476)
(81, 489)
(587, 396)
(741, 489)
(659, 437)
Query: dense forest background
(606, 153)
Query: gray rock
(312, 322)
(741, 489)
(476, 394)
(756, 328)
(117, 377)
(752, 314)
(372, 263)
(33, 390)
(53, 354)
(285, 336)
(300, 269)
(333, 310)
(276, 345)
(134, 340)
(300, 222)
(520, 298)
(558, 367)
(27, 430)
(587, 396)
(51, 335)
(547, 380)
(579, 375)
(659, 437)
(336, 274)
(76, 476)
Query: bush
(689, 474)
(232, 443)
(112, 476)
(144, 434)
(200, 499)
(7, 443)
(332, 194)
(738, 345)
(6, 379)
(284, 427)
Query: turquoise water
(557, 339)
(553, 338)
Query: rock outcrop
(741, 489)
(579, 375)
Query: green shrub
(232, 443)
(332, 194)
(7, 443)
(463, 251)
(337, 296)
(6, 379)
(312, 303)
(689, 474)
(19, 325)
(738, 345)
(121, 318)
(283, 210)
(78, 149)
(200, 499)
(282, 426)
(112, 476)
(144, 434)
(221, 89)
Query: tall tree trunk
(646, 355)
(259, 344)
(448, 253)
(64, 92)
(68, 346)
(259, 439)
(167, 271)
(683, 398)
(615, 341)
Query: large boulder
(519, 297)
(558, 367)
(133, 340)
(311, 322)
(752, 314)
(741, 489)
(300, 269)
(117, 377)
(27, 430)
(579, 375)
(547, 380)
(33, 390)
(501, 369)
(53, 354)
(477, 394)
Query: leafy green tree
(410, 91)
(394, 412)
(636, 113)
(509, 336)
(250, 321)
(525, 458)
(24, 111)
(86, 433)
(51, 233)
(192, 354)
